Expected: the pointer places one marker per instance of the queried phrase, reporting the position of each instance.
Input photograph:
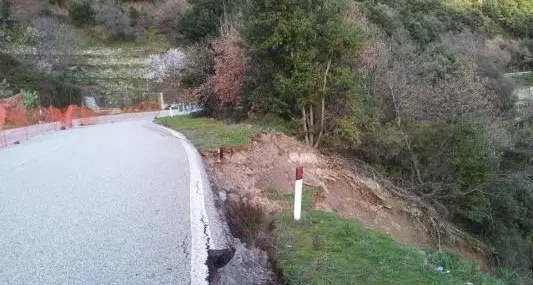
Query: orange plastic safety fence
(69, 114)
(2, 117)
(55, 113)
(16, 116)
(88, 116)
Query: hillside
(118, 71)
(418, 89)
(415, 88)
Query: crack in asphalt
(207, 238)
(184, 246)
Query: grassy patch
(523, 80)
(273, 193)
(272, 122)
(324, 248)
(209, 134)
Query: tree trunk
(322, 115)
(414, 159)
(304, 121)
(395, 103)
(323, 105)
(311, 126)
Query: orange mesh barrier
(88, 116)
(2, 117)
(55, 115)
(16, 116)
(18, 124)
(69, 114)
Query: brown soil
(350, 188)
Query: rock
(248, 266)
(223, 196)
(439, 269)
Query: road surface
(104, 204)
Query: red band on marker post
(299, 173)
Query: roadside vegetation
(324, 248)
(210, 134)
(415, 88)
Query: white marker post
(298, 193)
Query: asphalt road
(105, 204)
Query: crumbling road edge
(209, 230)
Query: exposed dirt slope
(350, 188)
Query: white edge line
(200, 231)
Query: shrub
(31, 100)
(81, 13)
(230, 71)
(5, 90)
(114, 19)
(134, 15)
(201, 21)
(54, 43)
(200, 66)
(50, 91)
(166, 14)
(5, 15)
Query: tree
(230, 71)
(202, 20)
(167, 65)
(166, 14)
(111, 15)
(303, 45)
(54, 43)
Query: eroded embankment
(350, 188)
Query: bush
(31, 100)
(54, 42)
(166, 15)
(81, 13)
(201, 21)
(5, 89)
(115, 20)
(5, 15)
(134, 15)
(200, 66)
(49, 90)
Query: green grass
(273, 193)
(523, 80)
(209, 134)
(272, 122)
(324, 248)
